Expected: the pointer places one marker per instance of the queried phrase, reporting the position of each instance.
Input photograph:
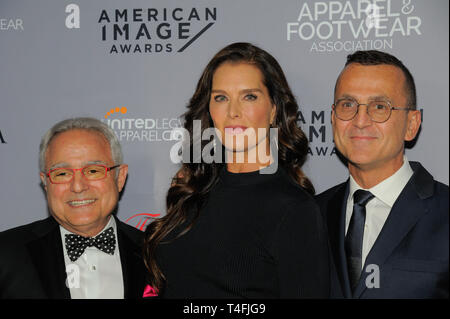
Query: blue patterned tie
(355, 234)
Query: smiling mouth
(363, 137)
(235, 129)
(78, 203)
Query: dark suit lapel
(405, 213)
(47, 255)
(336, 209)
(132, 264)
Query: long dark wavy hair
(193, 182)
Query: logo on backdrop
(334, 26)
(140, 220)
(316, 124)
(10, 24)
(2, 139)
(153, 30)
(140, 129)
(73, 17)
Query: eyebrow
(64, 164)
(241, 91)
(370, 98)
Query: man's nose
(362, 118)
(78, 183)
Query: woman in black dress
(244, 225)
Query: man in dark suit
(388, 223)
(82, 251)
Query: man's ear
(413, 125)
(43, 180)
(122, 177)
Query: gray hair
(81, 123)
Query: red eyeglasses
(93, 172)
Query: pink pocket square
(149, 292)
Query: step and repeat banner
(134, 65)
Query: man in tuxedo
(82, 250)
(388, 223)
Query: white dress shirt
(378, 209)
(95, 274)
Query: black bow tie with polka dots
(76, 244)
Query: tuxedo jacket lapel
(336, 210)
(132, 264)
(46, 252)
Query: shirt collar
(388, 190)
(111, 223)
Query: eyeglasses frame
(367, 109)
(81, 171)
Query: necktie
(76, 244)
(355, 234)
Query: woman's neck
(248, 160)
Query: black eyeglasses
(378, 111)
(93, 172)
